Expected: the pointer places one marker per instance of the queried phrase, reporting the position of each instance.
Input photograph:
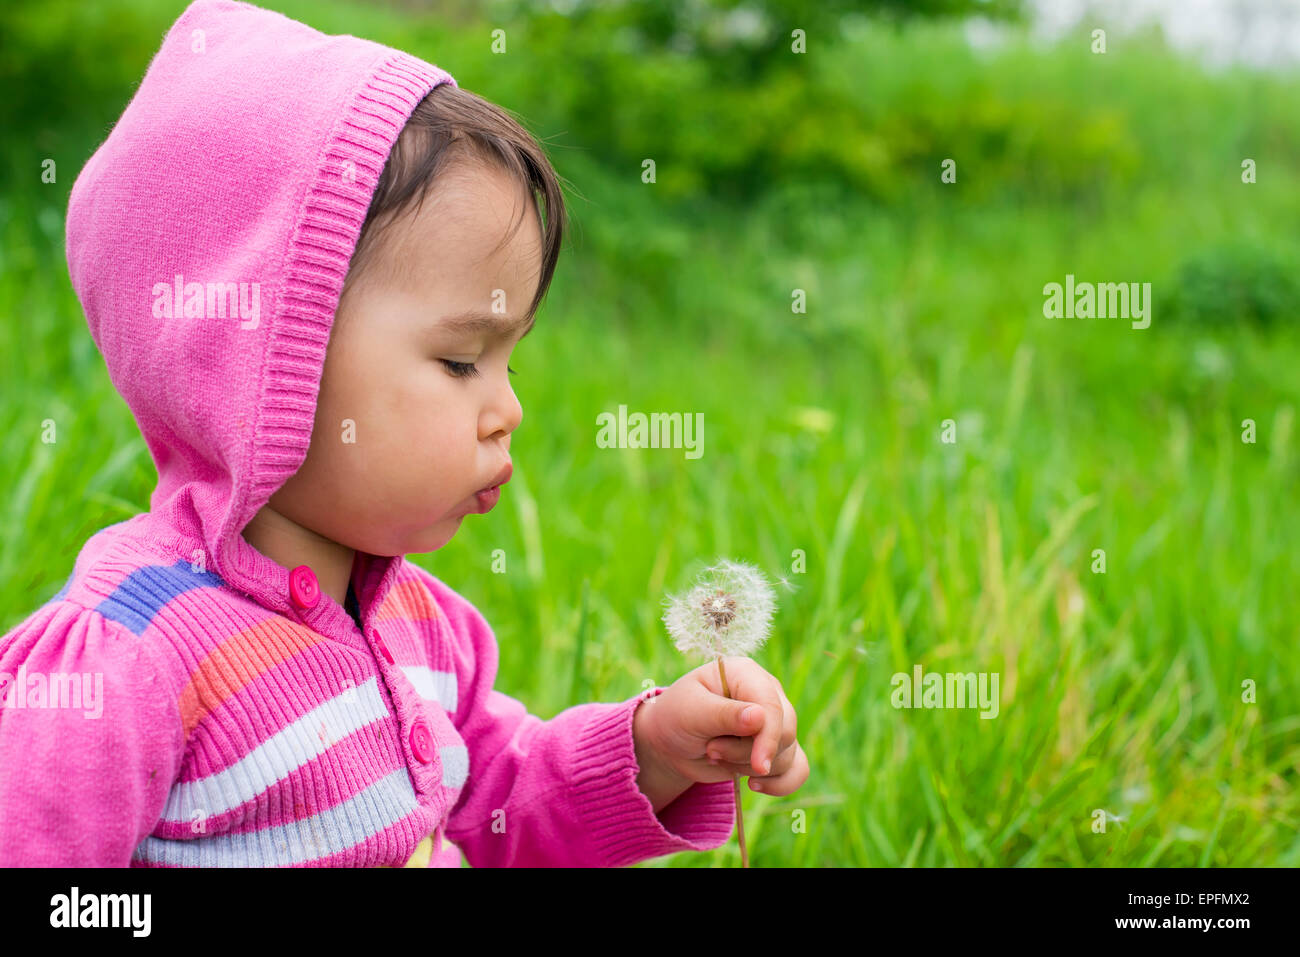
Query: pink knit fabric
(208, 239)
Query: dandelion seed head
(728, 612)
(719, 608)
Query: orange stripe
(237, 661)
(408, 600)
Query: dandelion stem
(735, 780)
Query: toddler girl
(306, 260)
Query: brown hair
(450, 125)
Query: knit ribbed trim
(320, 252)
(699, 820)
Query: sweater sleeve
(563, 792)
(90, 740)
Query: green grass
(1119, 691)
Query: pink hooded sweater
(184, 700)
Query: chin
(440, 534)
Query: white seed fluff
(728, 612)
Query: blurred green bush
(1237, 281)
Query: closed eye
(466, 370)
(461, 370)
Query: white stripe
(455, 765)
(439, 686)
(346, 825)
(277, 757)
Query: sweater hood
(208, 239)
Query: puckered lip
(501, 477)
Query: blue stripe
(146, 590)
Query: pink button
(303, 588)
(422, 742)
(383, 648)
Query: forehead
(458, 238)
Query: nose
(504, 413)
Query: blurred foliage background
(820, 171)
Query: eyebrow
(475, 320)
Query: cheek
(430, 427)
(416, 426)
(360, 424)
(422, 385)
(402, 403)
(331, 431)
(434, 407)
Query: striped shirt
(153, 717)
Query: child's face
(400, 444)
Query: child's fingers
(730, 750)
(728, 769)
(736, 754)
(792, 780)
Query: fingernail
(749, 714)
(755, 784)
(767, 765)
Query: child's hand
(681, 726)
